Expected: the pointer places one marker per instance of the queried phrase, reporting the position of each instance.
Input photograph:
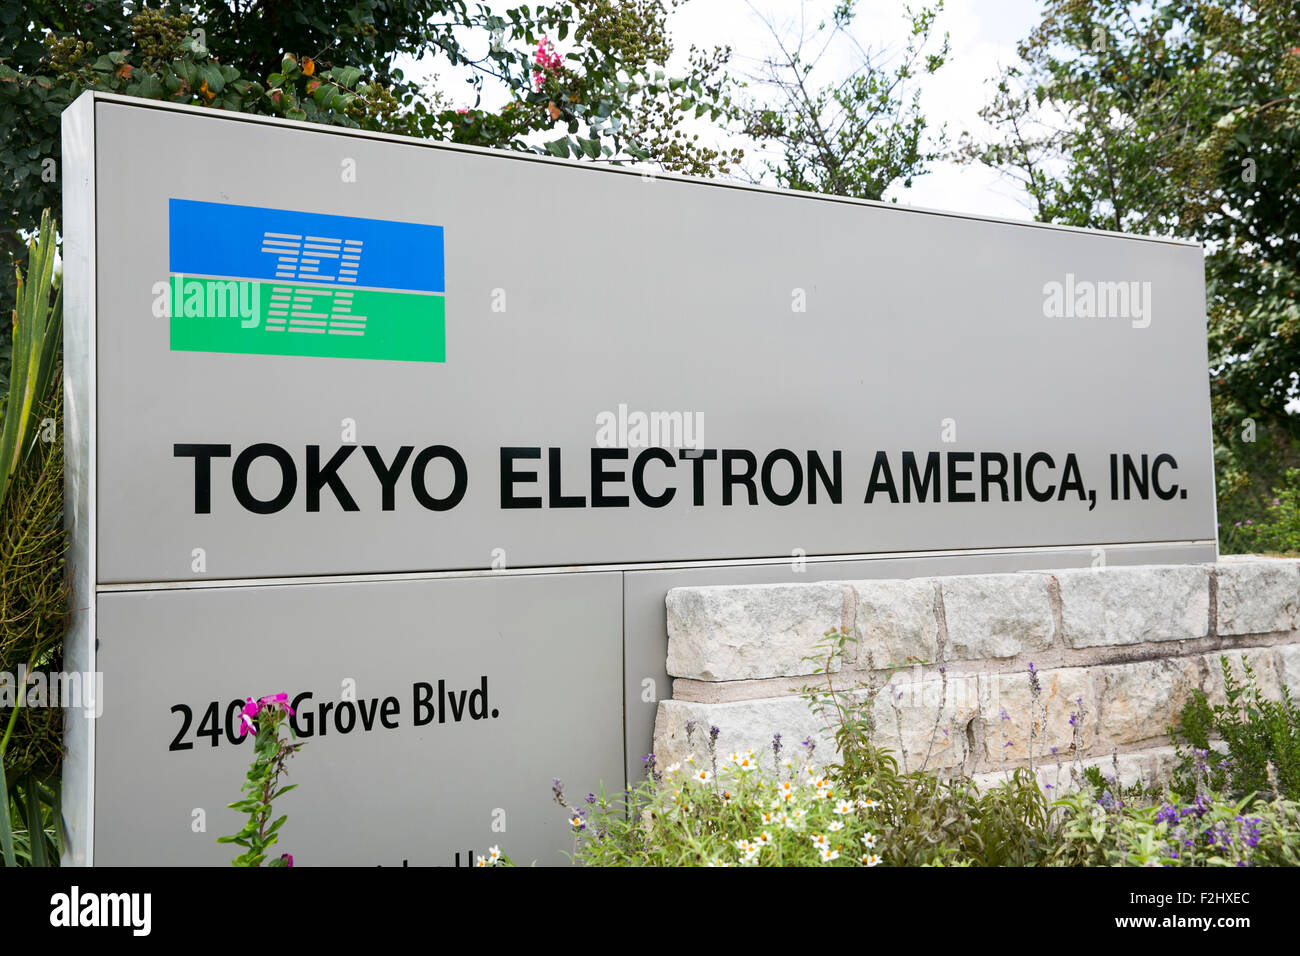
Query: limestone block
(1258, 597)
(1006, 706)
(895, 621)
(1139, 701)
(750, 631)
(1111, 606)
(744, 725)
(927, 719)
(996, 615)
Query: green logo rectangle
(296, 318)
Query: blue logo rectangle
(251, 242)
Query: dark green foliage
(1261, 738)
(33, 588)
(1181, 118)
(1270, 527)
(933, 820)
(33, 596)
(31, 826)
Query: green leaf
(558, 147)
(210, 74)
(346, 76)
(6, 827)
(35, 825)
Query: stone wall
(1116, 650)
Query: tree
(853, 137)
(1180, 120)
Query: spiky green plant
(33, 586)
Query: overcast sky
(983, 35)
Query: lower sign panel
(435, 714)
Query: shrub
(1261, 736)
(33, 590)
(692, 817)
(858, 810)
(1207, 831)
(1276, 528)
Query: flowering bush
(1277, 529)
(859, 810)
(1208, 831)
(263, 718)
(1261, 738)
(690, 816)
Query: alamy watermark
(637, 429)
(81, 690)
(1085, 299)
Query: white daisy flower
(828, 854)
(871, 859)
(843, 807)
(869, 841)
(836, 826)
(494, 854)
(819, 840)
(703, 776)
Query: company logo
(278, 282)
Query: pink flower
(546, 60)
(246, 715)
(251, 708)
(288, 858)
(277, 700)
(462, 111)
